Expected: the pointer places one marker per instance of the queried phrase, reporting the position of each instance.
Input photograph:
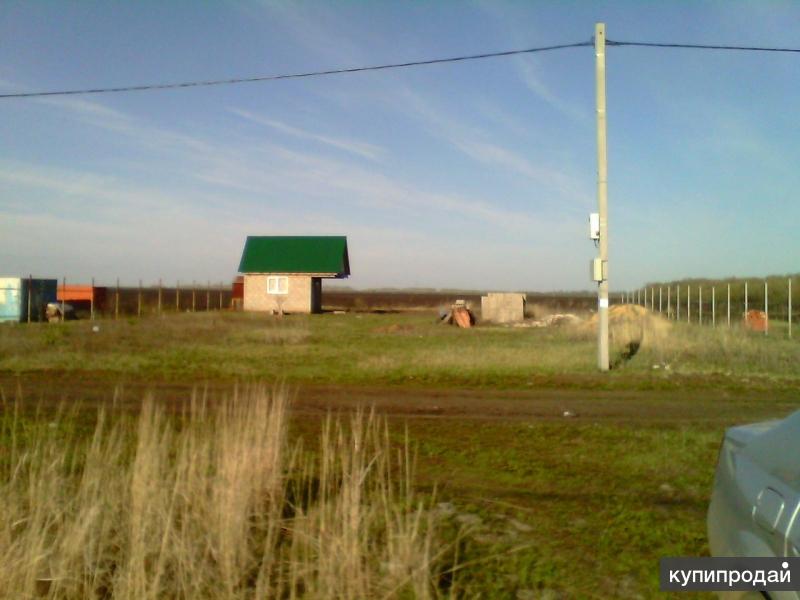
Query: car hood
(774, 445)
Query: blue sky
(476, 175)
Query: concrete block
(503, 307)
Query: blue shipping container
(14, 295)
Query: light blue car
(755, 505)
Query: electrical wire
(701, 46)
(416, 63)
(190, 84)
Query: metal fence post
(659, 299)
(669, 301)
(745, 299)
(700, 304)
(159, 296)
(194, 290)
(208, 295)
(220, 295)
(116, 301)
(677, 302)
(713, 306)
(766, 309)
(63, 296)
(790, 308)
(139, 301)
(688, 304)
(178, 296)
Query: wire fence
(98, 300)
(754, 303)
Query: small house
(283, 274)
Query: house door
(316, 294)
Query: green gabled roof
(296, 254)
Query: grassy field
(400, 349)
(522, 501)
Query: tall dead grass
(214, 503)
(692, 348)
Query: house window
(277, 285)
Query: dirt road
(407, 401)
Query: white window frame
(277, 285)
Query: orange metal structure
(756, 320)
(82, 294)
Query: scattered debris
(568, 414)
(459, 314)
(54, 312)
(554, 320)
(96, 328)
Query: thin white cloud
(529, 74)
(136, 129)
(363, 149)
(472, 141)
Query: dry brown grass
(629, 326)
(212, 504)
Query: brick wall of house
(297, 300)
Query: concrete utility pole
(602, 195)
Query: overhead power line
(188, 84)
(702, 46)
(415, 63)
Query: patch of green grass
(407, 349)
(584, 510)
